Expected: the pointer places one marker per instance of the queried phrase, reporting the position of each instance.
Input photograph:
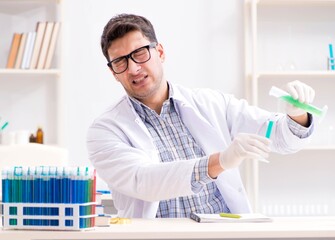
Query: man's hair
(120, 25)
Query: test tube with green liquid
(279, 93)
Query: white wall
(203, 40)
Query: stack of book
(34, 50)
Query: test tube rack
(48, 198)
(49, 216)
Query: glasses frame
(148, 47)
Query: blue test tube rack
(49, 198)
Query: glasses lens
(141, 55)
(119, 65)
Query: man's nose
(133, 67)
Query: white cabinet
(288, 40)
(31, 98)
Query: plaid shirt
(174, 143)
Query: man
(165, 150)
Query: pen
(229, 215)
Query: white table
(280, 228)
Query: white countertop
(283, 228)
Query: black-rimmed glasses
(140, 55)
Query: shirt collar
(140, 107)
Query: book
(30, 47)
(216, 218)
(45, 45)
(26, 50)
(13, 50)
(40, 28)
(19, 56)
(52, 46)
(102, 220)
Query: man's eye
(119, 62)
(140, 52)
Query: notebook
(216, 218)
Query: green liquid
(307, 107)
(269, 129)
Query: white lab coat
(122, 150)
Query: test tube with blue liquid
(25, 186)
(31, 183)
(267, 135)
(17, 190)
(5, 185)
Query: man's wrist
(214, 166)
(303, 120)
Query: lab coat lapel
(136, 130)
(202, 131)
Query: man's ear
(161, 52)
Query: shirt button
(240, 189)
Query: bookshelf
(31, 97)
(286, 40)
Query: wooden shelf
(32, 1)
(300, 74)
(30, 72)
(291, 75)
(296, 2)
